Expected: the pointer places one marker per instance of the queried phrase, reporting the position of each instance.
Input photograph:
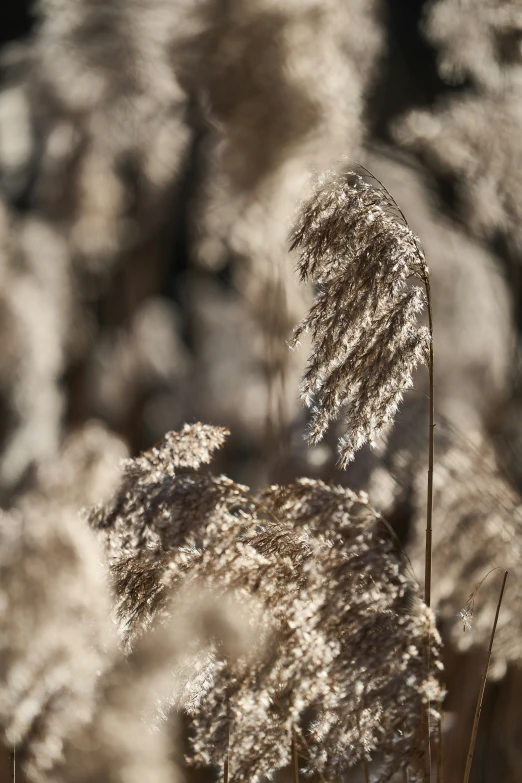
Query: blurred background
(153, 154)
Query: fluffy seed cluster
(344, 667)
(366, 338)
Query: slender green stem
(480, 699)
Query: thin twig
(480, 699)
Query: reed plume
(331, 596)
(364, 324)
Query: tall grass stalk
(429, 509)
(478, 709)
(429, 515)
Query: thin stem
(295, 759)
(366, 771)
(480, 699)
(429, 509)
(429, 532)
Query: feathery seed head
(356, 246)
(346, 628)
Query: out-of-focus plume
(96, 102)
(92, 139)
(94, 158)
(142, 372)
(126, 739)
(284, 91)
(366, 337)
(56, 637)
(475, 142)
(480, 40)
(473, 138)
(477, 527)
(325, 594)
(35, 306)
(284, 86)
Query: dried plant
(74, 706)
(366, 336)
(480, 700)
(472, 310)
(163, 504)
(331, 594)
(282, 88)
(55, 633)
(370, 611)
